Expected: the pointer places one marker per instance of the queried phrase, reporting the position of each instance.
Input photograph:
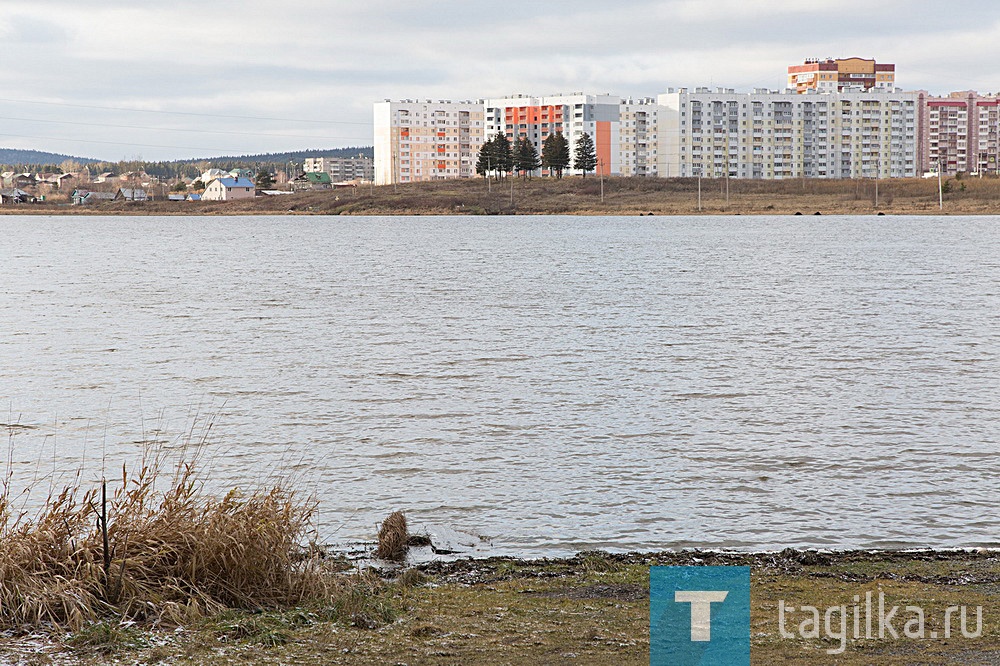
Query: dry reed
(392, 538)
(163, 557)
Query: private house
(242, 173)
(229, 189)
(136, 178)
(14, 196)
(316, 180)
(87, 197)
(210, 175)
(130, 194)
(21, 180)
(56, 180)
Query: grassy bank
(147, 568)
(579, 196)
(590, 609)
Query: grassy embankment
(580, 196)
(168, 575)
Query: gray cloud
(330, 62)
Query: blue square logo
(699, 616)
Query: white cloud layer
(187, 79)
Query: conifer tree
(495, 156)
(585, 155)
(504, 154)
(555, 154)
(487, 159)
(526, 157)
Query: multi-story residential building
(639, 137)
(772, 134)
(839, 119)
(342, 169)
(426, 140)
(535, 118)
(831, 75)
(959, 132)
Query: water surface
(552, 383)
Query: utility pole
(940, 186)
(878, 167)
(699, 190)
(727, 184)
(600, 164)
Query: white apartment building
(771, 134)
(426, 140)
(535, 118)
(342, 169)
(639, 120)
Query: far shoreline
(590, 196)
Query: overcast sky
(118, 80)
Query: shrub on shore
(163, 557)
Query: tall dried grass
(165, 556)
(392, 538)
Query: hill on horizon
(20, 157)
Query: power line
(182, 113)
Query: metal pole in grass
(878, 167)
(600, 164)
(727, 184)
(940, 186)
(699, 190)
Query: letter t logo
(701, 611)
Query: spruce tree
(487, 158)
(504, 154)
(495, 156)
(526, 157)
(555, 154)
(585, 156)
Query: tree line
(498, 156)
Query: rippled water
(552, 383)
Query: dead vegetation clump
(144, 554)
(392, 538)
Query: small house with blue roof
(229, 189)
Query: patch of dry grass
(158, 556)
(583, 196)
(392, 538)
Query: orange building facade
(536, 118)
(838, 75)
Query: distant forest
(33, 160)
